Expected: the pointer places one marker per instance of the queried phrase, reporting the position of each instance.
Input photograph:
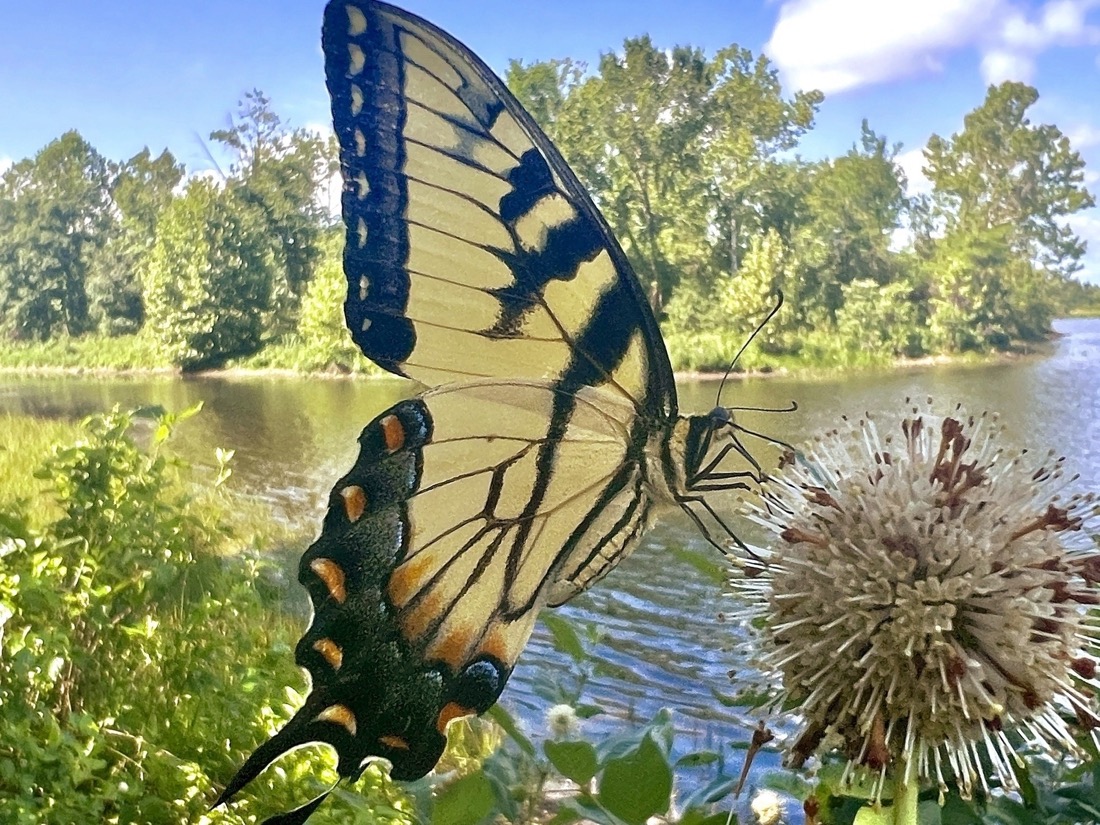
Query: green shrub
(139, 662)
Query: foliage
(208, 280)
(673, 145)
(1001, 171)
(624, 778)
(1002, 191)
(138, 662)
(692, 158)
(278, 172)
(141, 189)
(321, 326)
(53, 213)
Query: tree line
(693, 160)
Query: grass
(89, 352)
(25, 442)
(294, 354)
(137, 353)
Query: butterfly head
(715, 459)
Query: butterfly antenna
(749, 340)
(792, 407)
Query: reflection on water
(665, 642)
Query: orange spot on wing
(340, 715)
(332, 652)
(393, 433)
(451, 710)
(452, 649)
(332, 575)
(355, 502)
(407, 579)
(415, 623)
(396, 742)
(503, 643)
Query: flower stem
(906, 795)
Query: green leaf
(574, 760)
(588, 711)
(701, 798)
(704, 564)
(869, 816)
(565, 636)
(694, 760)
(465, 801)
(637, 786)
(508, 724)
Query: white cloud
(5, 164)
(1083, 136)
(912, 164)
(1011, 53)
(836, 45)
(999, 65)
(1058, 22)
(1087, 226)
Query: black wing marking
(438, 549)
(472, 250)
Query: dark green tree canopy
(55, 209)
(1002, 170)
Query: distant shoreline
(808, 372)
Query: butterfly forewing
(466, 232)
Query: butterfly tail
(298, 731)
(298, 815)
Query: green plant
(139, 657)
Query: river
(665, 643)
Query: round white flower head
(767, 807)
(562, 721)
(925, 595)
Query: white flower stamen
(923, 596)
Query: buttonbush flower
(926, 601)
(562, 721)
(767, 807)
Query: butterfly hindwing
(466, 231)
(438, 549)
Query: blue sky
(129, 74)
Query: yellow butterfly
(549, 438)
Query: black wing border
(663, 382)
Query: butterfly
(548, 439)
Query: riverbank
(125, 357)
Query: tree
(321, 323)
(141, 189)
(852, 206)
(1002, 191)
(208, 280)
(679, 152)
(279, 171)
(543, 89)
(749, 125)
(54, 214)
(1001, 170)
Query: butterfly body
(549, 438)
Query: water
(665, 643)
